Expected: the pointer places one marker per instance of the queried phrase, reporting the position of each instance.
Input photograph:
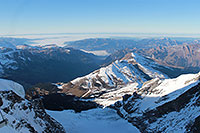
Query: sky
(99, 16)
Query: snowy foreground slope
(113, 79)
(22, 115)
(6, 85)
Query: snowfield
(93, 121)
(6, 85)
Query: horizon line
(136, 33)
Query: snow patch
(97, 52)
(6, 85)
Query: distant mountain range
(181, 54)
(112, 45)
(184, 56)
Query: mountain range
(145, 89)
(30, 65)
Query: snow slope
(93, 121)
(169, 89)
(163, 105)
(6, 85)
(157, 92)
(7, 129)
(177, 121)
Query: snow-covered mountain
(48, 63)
(22, 115)
(170, 105)
(108, 84)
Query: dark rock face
(61, 102)
(1, 102)
(41, 89)
(52, 123)
(56, 99)
(30, 117)
(125, 97)
(195, 126)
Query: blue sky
(94, 16)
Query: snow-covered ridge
(148, 65)
(125, 71)
(170, 89)
(111, 81)
(157, 92)
(23, 115)
(6, 85)
(159, 101)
